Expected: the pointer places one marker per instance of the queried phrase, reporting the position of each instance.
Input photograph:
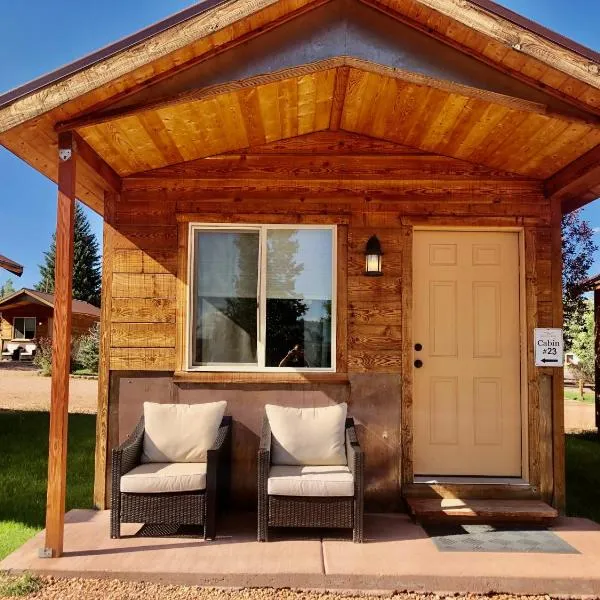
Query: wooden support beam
(11, 266)
(558, 399)
(578, 183)
(100, 167)
(61, 343)
(101, 463)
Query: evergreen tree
(87, 279)
(7, 288)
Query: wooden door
(467, 393)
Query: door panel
(467, 394)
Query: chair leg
(210, 518)
(115, 525)
(358, 529)
(210, 528)
(263, 518)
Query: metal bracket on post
(44, 552)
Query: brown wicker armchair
(311, 511)
(197, 507)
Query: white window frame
(262, 229)
(34, 329)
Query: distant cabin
(26, 316)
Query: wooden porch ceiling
(437, 116)
(478, 28)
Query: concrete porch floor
(396, 556)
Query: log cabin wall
(364, 186)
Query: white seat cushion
(308, 436)
(159, 478)
(179, 433)
(302, 480)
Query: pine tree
(7, 288)
(87, 278)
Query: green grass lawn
(23, 472)
(583, 475)
(573, 394)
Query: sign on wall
(549, 347)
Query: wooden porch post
(558, 393)
(61, 348)
(597, 355)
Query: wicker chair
(178, 508)
(311, 511)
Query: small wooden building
(26, 316)
(244, 154)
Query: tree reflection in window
(298, 299)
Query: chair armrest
(221, 440)
(354, 452)
(264, 456)
(127, 455)
(265, 439)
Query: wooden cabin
(316, 201)
(26, 316)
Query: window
(262, 298)
(24, 328)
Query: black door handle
(418, 363)
(418, 347)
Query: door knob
(418, 347)
(418, 363)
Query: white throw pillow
(308, 436)
(180, 432)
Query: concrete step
(474, 510)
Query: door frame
(409, 226)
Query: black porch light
(373, 256)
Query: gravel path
(24, 389)
(93, 589)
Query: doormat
(490, 538)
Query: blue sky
(38, 36)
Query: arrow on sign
(549, 360)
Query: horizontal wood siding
(371, 186)
(144, 264)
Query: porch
(397, 555)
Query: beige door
(467, 393)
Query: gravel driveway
(21, 388)
(91, 589)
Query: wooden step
(474, 510)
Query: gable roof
(11, 265)
(511, 44)
(78, 306)
(206, 5)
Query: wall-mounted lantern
(373, 256)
